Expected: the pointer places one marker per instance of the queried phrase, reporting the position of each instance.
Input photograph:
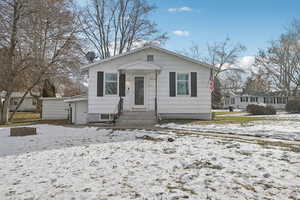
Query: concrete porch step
(134, 123)
(150, 113)
(137, 119)
(137, 116)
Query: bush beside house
(293, 106)
(261, 110)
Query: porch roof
(140, 65)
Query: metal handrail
(155, 106)
(119, 109)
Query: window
(34, 102)
(279, 100)
(232, 100)
(182, 84)
(227, 101)
(111, 83)
(150, 58)
(104, 116)
(272, 100)
(265, 100)
(253, 99)
(244, 99)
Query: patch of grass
(29, 122)
(23, 119)
(19, 116)
(227, 113)
(263, 142)
(287, 146)
(218, 120)
(235, 119)
(31, 118)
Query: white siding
(54, 109)
(79, 112)
(166, 104)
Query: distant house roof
(258, 94)
(148, 47)
(76, 99)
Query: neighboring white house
(241, 101)
(29, 104)
(148, 79)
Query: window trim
(117, 81)
(189, 84)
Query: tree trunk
(5, 112)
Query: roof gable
(148, 47)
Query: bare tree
(45, 46)
(232, 80)
(281, 60)
(11, 13)
(224, 56)
(114, 27)
(257, 83)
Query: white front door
(139, 91)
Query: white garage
(55, 109)
(78, 108)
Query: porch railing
(119, 109)
(155, 107)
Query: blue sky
(250, 22)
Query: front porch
(140, 86)
(138, 95)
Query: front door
(139, 96)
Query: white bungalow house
(241, 101)
(143, 84)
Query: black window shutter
(122, 79)
(100, 84)
(194, 84)
(172, 84)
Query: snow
(283, 126)
(124, 167)
(52, 137)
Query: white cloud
(246, 63)
(182, 9)
(181, 33)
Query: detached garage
(55, 109)
(79, 109)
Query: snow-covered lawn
(281, 126)
(53, 137)
(191, 167)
